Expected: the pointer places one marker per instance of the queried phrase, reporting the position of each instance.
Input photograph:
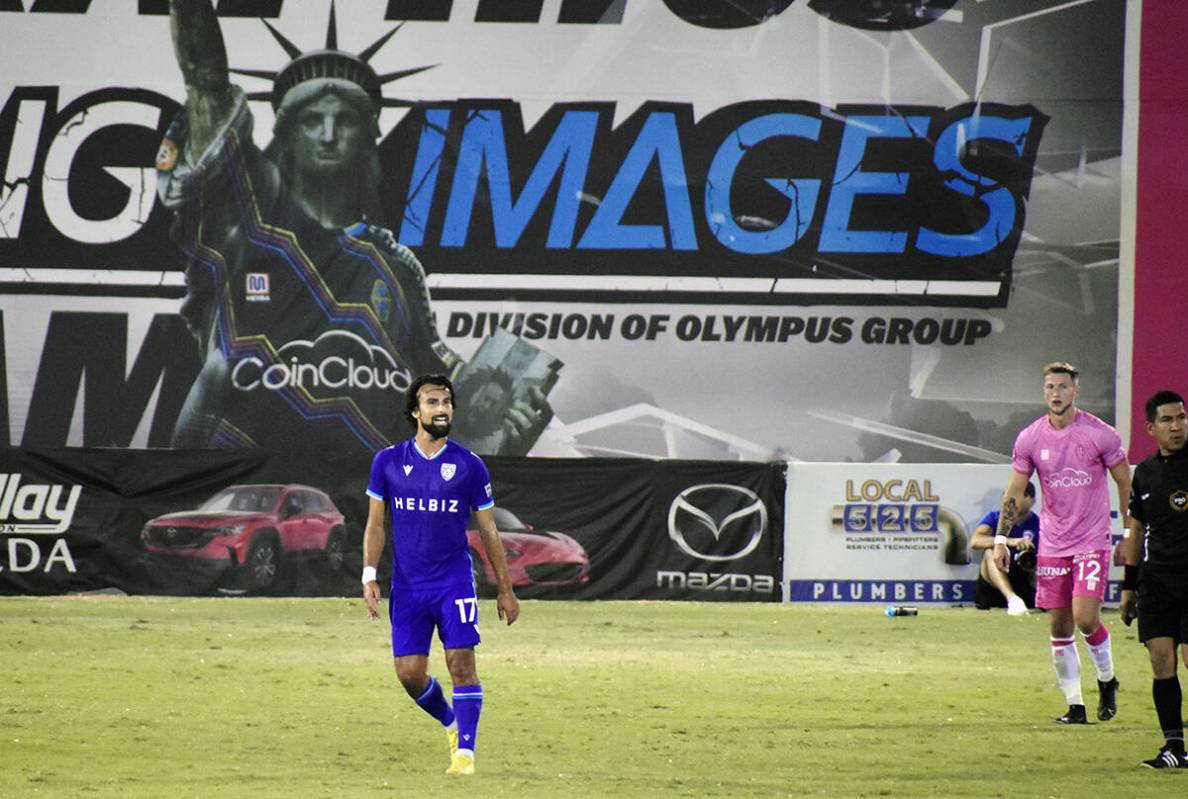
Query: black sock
(1168, 699)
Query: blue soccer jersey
(1027, 527)
(430, 500)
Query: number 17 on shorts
(467, 609)
(459, 623)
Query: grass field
(149, 697)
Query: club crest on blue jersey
(381, 300)
(448, 470)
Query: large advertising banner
(802, 229)
(662, 529)
(894, 533)
(181, 522)
(1161, 276)
(197, 522)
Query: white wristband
(368, 574)
(1000, 539)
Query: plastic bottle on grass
(902, 610)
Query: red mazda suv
(245, 534)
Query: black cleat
(1075, 715)
(1167, 758)
(1107, 703)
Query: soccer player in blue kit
(430, 485)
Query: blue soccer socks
(468, 704)
(433, 702)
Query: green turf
(139, 697)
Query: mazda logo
(703, 516)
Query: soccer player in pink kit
(1072, 450)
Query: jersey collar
(1182, 453)
(434, 456)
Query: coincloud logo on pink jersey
(1068, 478)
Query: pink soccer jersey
(1073, 466)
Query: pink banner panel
(1161, 265)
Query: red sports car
(247, 532)
(535, 558)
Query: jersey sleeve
(1136, 503)
(990, 520)
(183, 175)
(376, 486)
(210, 193)
(1112, 451)
(481, 495)
(437, 356)
(1021, 460)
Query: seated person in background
(1013, 590)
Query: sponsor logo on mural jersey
(337, 361)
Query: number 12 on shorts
(1092, 577)
(467, 609)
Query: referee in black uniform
(1159, 510)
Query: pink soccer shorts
(1059, 579)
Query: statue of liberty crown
(330, 63)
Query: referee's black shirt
(1159, 500)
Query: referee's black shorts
(1163, 603)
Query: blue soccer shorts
(453, 610)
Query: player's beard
(435, 430)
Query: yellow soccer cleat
(452, 735)
(461, 764)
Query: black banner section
(658, 529)
(187, 522)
